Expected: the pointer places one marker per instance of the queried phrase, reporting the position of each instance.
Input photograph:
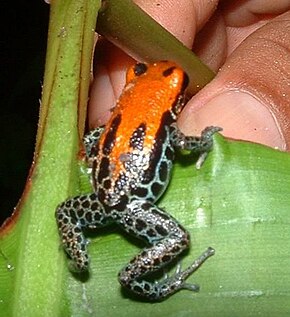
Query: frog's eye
(140, 69)
(136, 71)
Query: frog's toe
(190, 287)
(79, 266)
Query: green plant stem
(38, 277)
(130, 28)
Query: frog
(131, 159)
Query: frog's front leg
(91, 139)
(72, 216)
(202, 144)
(167, 239)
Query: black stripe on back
(110, 137)
(137, 138)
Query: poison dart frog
(131, 159)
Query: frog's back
(135, 143)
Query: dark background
(22, 57)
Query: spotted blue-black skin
(129, 202)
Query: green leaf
(29, 240)
(237, 203)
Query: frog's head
(165, 79)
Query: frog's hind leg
(167, 239)
(72, 216)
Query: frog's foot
(207, 142)
(180, 276)
(160, 290)
(178, 271)
(202, 144)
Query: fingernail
(241, 116)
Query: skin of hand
(247, 43)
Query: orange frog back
(151, 99)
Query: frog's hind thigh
(168, 239)
(72, 216)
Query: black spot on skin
(97, 216)
(184, 242)
(176, 249)
(143, 269)
(103, 221)
(163, 171)
(166, 258)
(156, 262)
(140, 69)
(107, 184)
(110, 137)
(156, 212)
(167, 72)
(147, 287)
(101, 195)
(93, 197)
(78, 230)
(65, 221)
(72, 214)
(138, 289)
(169, 154)
(140, 192)
(146, 206)
(107, 209)
(94, 206)
(80, 213)
(140, 224)
(103, 169)
(137, 138)
(156, 188)
(88, 217)
(153, 295)
(163, 232)
(151, 233)
(76, 204)
(86, 204)
(121, 206)
(82, 222)
(60, 216)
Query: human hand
(250, 96)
